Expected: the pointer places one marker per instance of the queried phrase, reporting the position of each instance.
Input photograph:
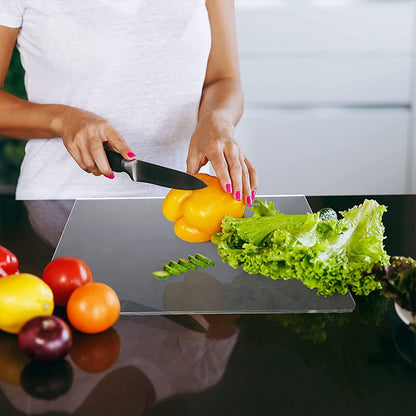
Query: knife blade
(141, 171)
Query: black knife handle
(115, 159)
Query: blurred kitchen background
(329, 92)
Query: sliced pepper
(198, 214)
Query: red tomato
(65, 274)
(93, 308)
(8, 262)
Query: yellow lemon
(22, 297)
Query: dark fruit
(45, 338)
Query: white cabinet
(327, 151)
(326, 80)
(296, 27)
(328, 94)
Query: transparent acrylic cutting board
(125, 240)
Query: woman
(156, 78)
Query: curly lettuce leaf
(329, 256)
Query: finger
(100, 158)
(234, 167)
(246, 182)
(75, 152)
(119, 144)
(219, 163)
(254, 181)
(91, 166)
(83, 144)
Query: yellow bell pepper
(198, 214)
(22, 297)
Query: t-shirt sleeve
(10, 13)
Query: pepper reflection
(199, 291)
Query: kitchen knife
(140, 171)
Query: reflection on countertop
(132, 366)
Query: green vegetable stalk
(327, 255)
(183, 266)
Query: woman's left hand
(212, 141)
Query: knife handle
(115, 159)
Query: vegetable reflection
(47, 381)
(97, 352)
(12, 359)
(328, 342)
(199, 291)
(142, 360)
(312, 327)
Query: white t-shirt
(138, 63)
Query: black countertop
(358, 363)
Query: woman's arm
(19, 118)
(221, 108)
(83, 133)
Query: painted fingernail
(249, 201)
(228, 188)
(238, 196)
(253, 194)
(110, 176)
(131, 154)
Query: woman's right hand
(83, 134)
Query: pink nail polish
(131, 154)
(249, 201)
(253, 194)
(228, 188)
(110, 176)
(238, 196)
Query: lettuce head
(331, 255)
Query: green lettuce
(330, 256)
